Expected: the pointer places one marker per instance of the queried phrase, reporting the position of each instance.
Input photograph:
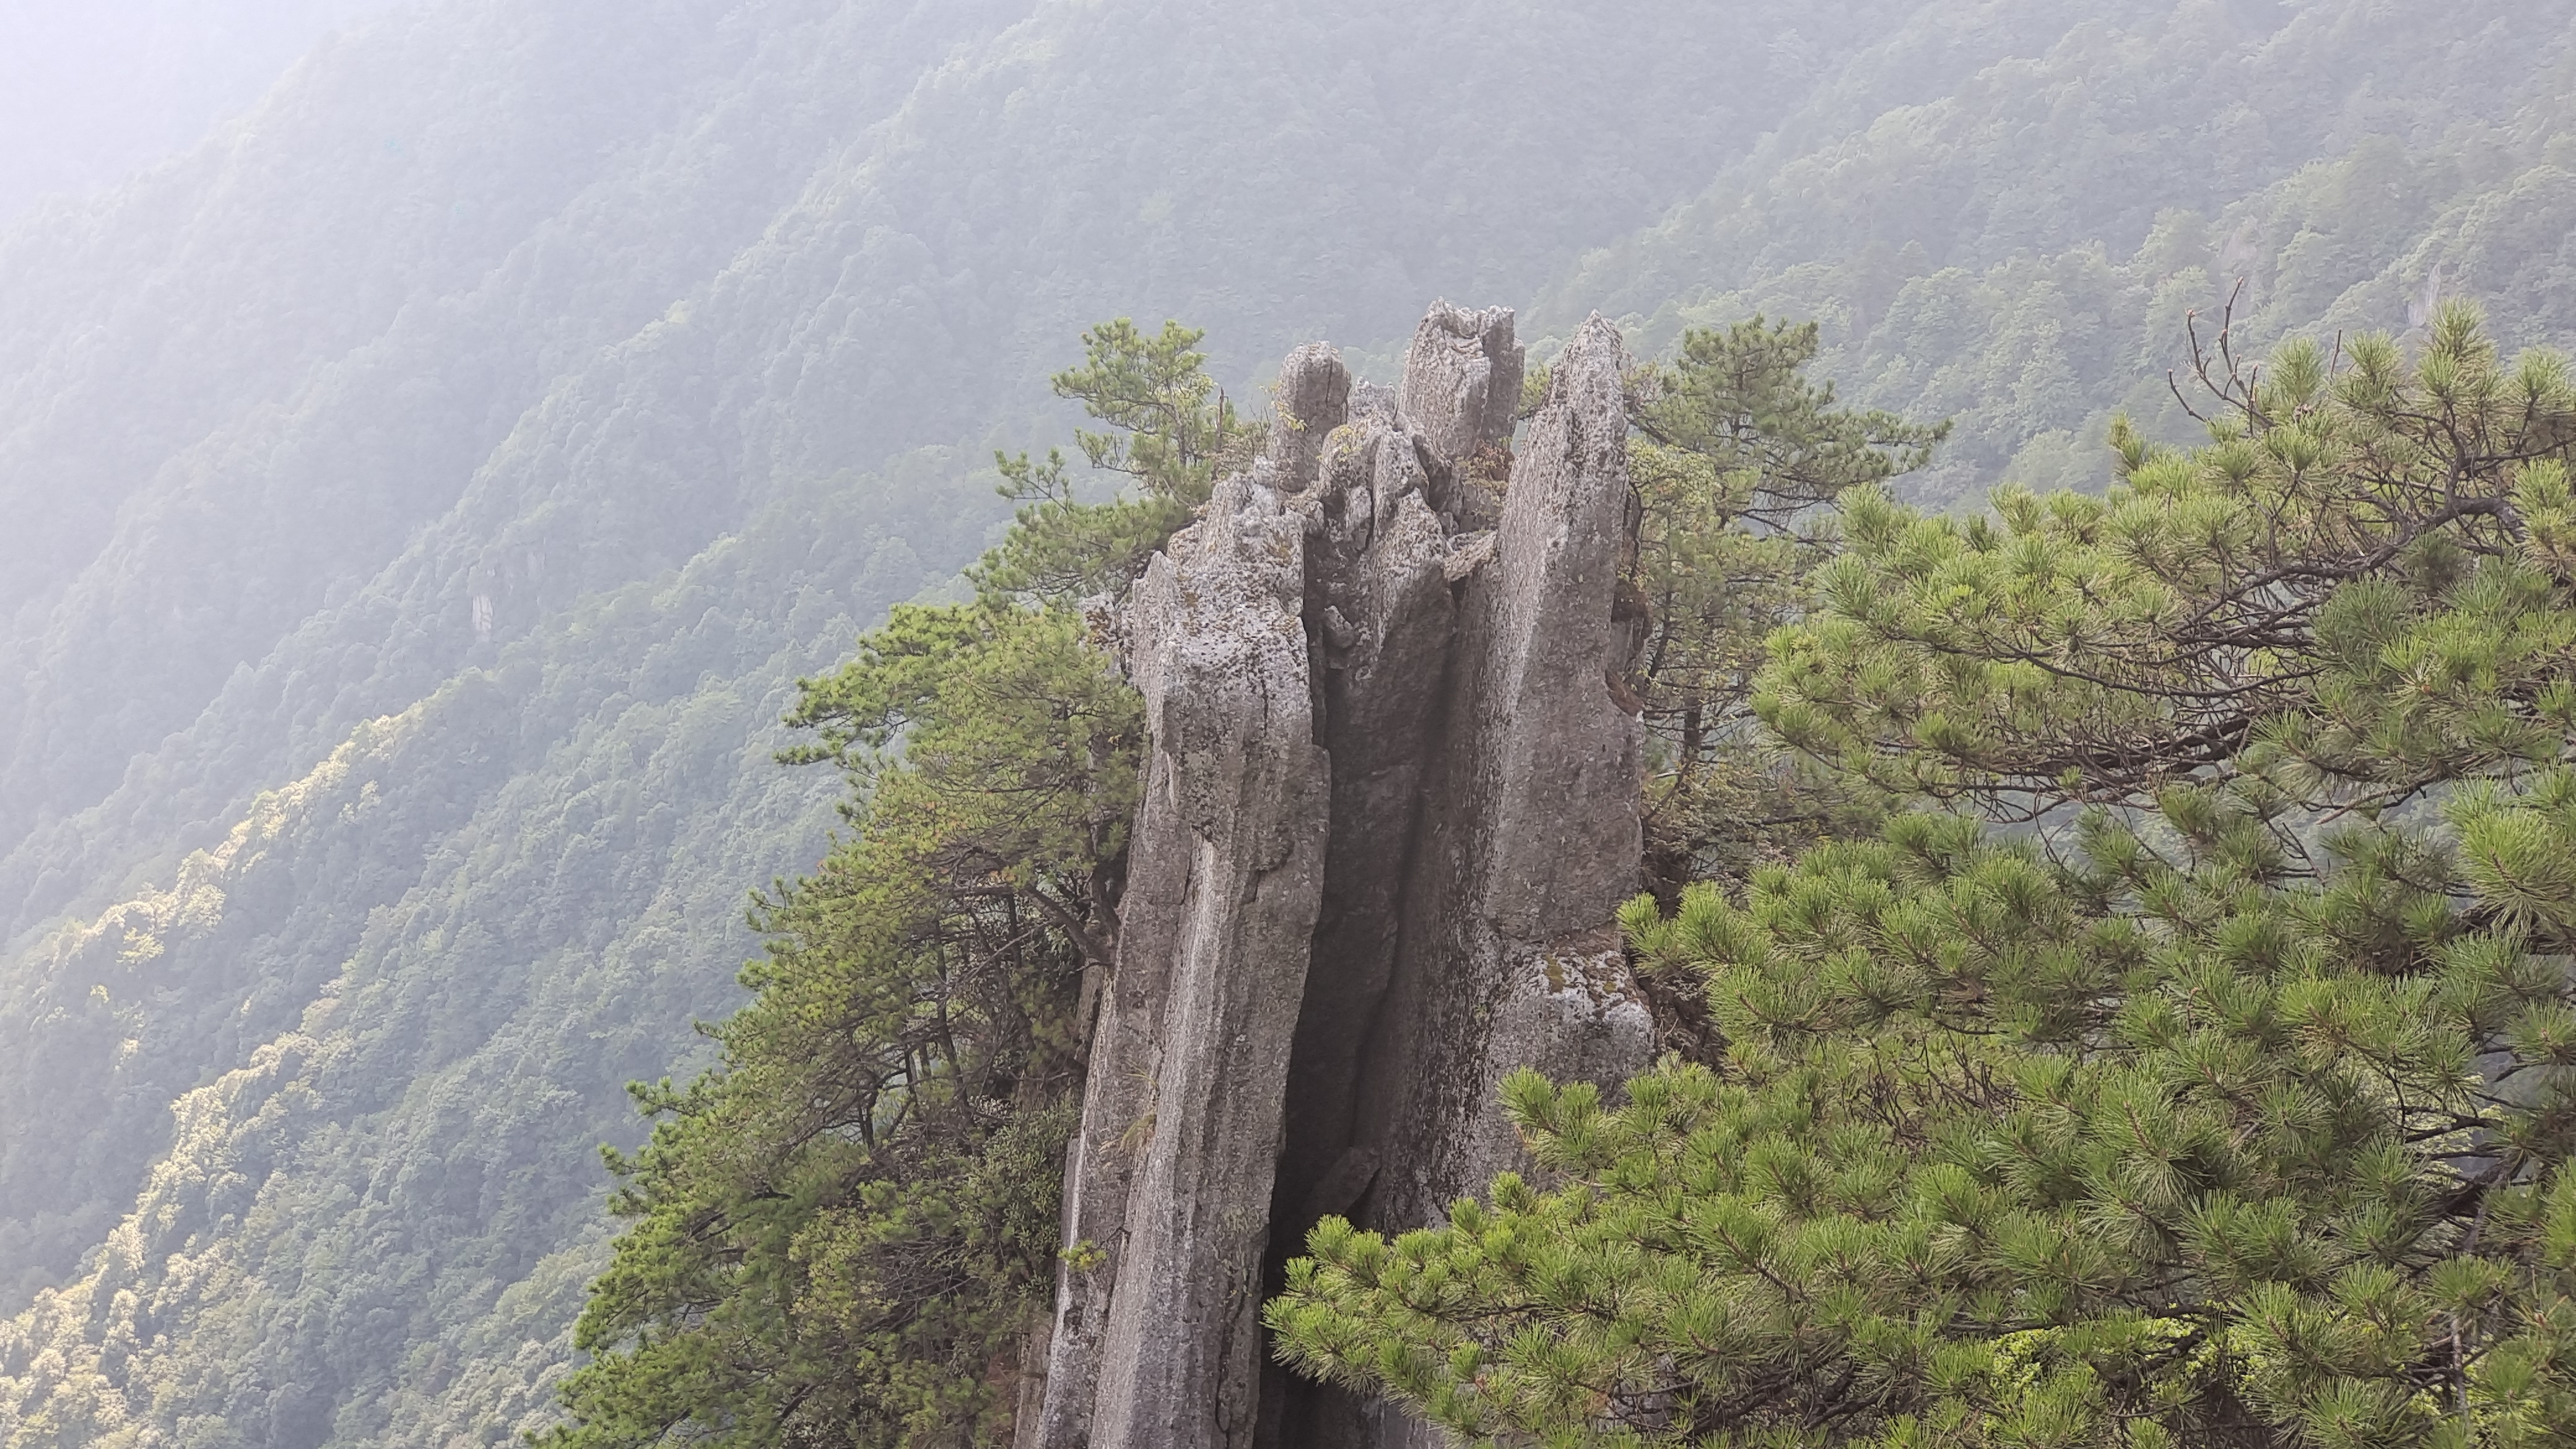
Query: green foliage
(1737, 451)
(2357, 591)
(2240, 1112)
(1767, 442)
(2007, 1153)
(1173, 433)
(839, 1237)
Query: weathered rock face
(1461, 390)
(1391, 810)
(1159, 1342)
(1462, 378)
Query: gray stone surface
(1530, 831)
(1391, 811)
(1572, 1011)
(1380, 571)
(1462, 379)
(1461, 391)
(1313, 397)
(1157, 1340)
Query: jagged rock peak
(1563, 823)
(1390, 808)
(1462, 379)
(1313, 398)
(1567, 533)
(1217, 650)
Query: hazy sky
(91, 90)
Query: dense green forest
(424, 496)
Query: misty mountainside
(418, 501)
(91, 92)
(2003, 212)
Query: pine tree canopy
(1173, 432)
(2356, 591)
(2226, 1101)
(1734, 454)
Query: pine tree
(2355, 592)
(1172, 433)
(837, 1239)
(1735, 455)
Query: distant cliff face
(1391, 808)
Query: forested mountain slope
(2003, 211)
(474, 920)
(469, 449)
(91, 92)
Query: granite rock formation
(1391, 811)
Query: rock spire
(1391, 810)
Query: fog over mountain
(92, 92)
(436, 437)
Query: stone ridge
(1391, 810)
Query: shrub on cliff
(2231, 1105)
